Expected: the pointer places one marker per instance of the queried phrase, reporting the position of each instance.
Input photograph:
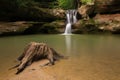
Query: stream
(90, 57)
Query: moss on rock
(48, 28)
(88, 26)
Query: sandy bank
(32, 72)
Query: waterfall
(71, 18)
(74, 16)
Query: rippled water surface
(91, 57)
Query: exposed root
(36, 51)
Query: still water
(91, 57)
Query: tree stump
(36, 51)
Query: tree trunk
(36, 51)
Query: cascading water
(74, 16)
(71, 18)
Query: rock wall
(23, 27)
(109, 23)
(13, 28)
(105, 23)
(107, 6)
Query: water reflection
(68, 43)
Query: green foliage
(67, 4)
(86, 1)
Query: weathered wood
(36, 51)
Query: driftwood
(36, 51)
